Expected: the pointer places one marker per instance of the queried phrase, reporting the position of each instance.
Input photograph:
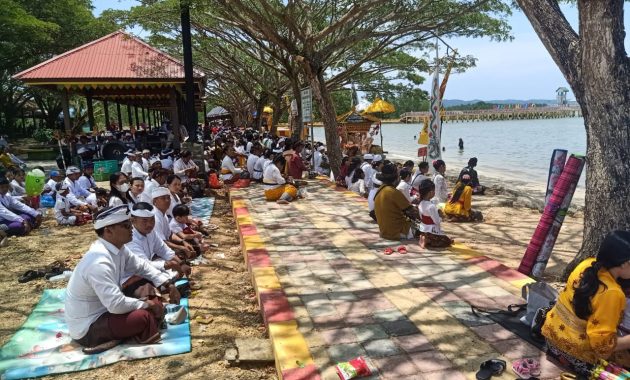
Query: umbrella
(267, 109)
(380, 106)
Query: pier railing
(497, 114)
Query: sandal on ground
(55, 272)
(526, 368)
(402, 250)
(489, 368)
(388, 251)
(31, 275)
(101, 347)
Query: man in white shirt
(77, 193)
(146, 155)
(55, 177)
(126, 164)
(157, 178)
(229, 172)
(252, 158)
(162, 202)
(166, 160)
(137, 170)
(18, 217)
(146, 244)
(366, 166)
(86, 181)
(97, 312)
(185, 167)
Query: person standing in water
(461, 144)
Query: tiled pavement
(328, 294)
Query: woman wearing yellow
(276, 187)
(459, 207)
(582, 327)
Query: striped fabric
(564, 188)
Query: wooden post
(174, 116)
(90, 109)
(129, 116)
(119, 114)
(66, 111)
(143, 118)
(106, 110)
(135, 111)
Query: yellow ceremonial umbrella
(380, 106)
(267, 109)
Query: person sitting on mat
(431, 234)
(19, 218)
(441, 188)
(65, 213)
(98, 314)
(393, 211)
(582, 327)
(276, 187)
(229, 172)
(459, 207)
(146, 244)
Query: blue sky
(520, 69)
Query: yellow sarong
(275, 194)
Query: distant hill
(457, 102)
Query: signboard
(307, 105)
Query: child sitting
(65, 214)
(182, 226)
(431, 235)
(358, 183)
(99, 198)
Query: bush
(43, 135)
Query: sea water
(516, 152)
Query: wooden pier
(497, 114)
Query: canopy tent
(117, 68)
(217, 113)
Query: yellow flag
(423, 139)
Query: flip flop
(526, 368)
(489, 368)
(402, 250)
(31, 275)
(388, 251)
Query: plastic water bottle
(64, 276)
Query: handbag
(539, 321)
(538, 295)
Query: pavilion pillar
(90, 110)
(65, 104)
(119, 114)
(205, 112)
(106, 110)
(129, 116)
(135, 110)
(143, 119)
(174, 105)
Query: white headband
(142, 213)
(115, 215)
(73, 170)
(159, 192)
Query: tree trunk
(596, 67)
(277, 113)
(296, 120)
(328, 114)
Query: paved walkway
(329, 294)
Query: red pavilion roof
(116, 56)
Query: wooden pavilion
(354, 129)
(122, 69)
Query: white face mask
(122, 188)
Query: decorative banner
(435, 123)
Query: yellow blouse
(595, 338)
(462, 206)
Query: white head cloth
(72, 170)
(142, 213)
(377, 158)
(114, 215)
(159, 192)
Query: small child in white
(65, 214)
(431, 235)
(184, 228)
